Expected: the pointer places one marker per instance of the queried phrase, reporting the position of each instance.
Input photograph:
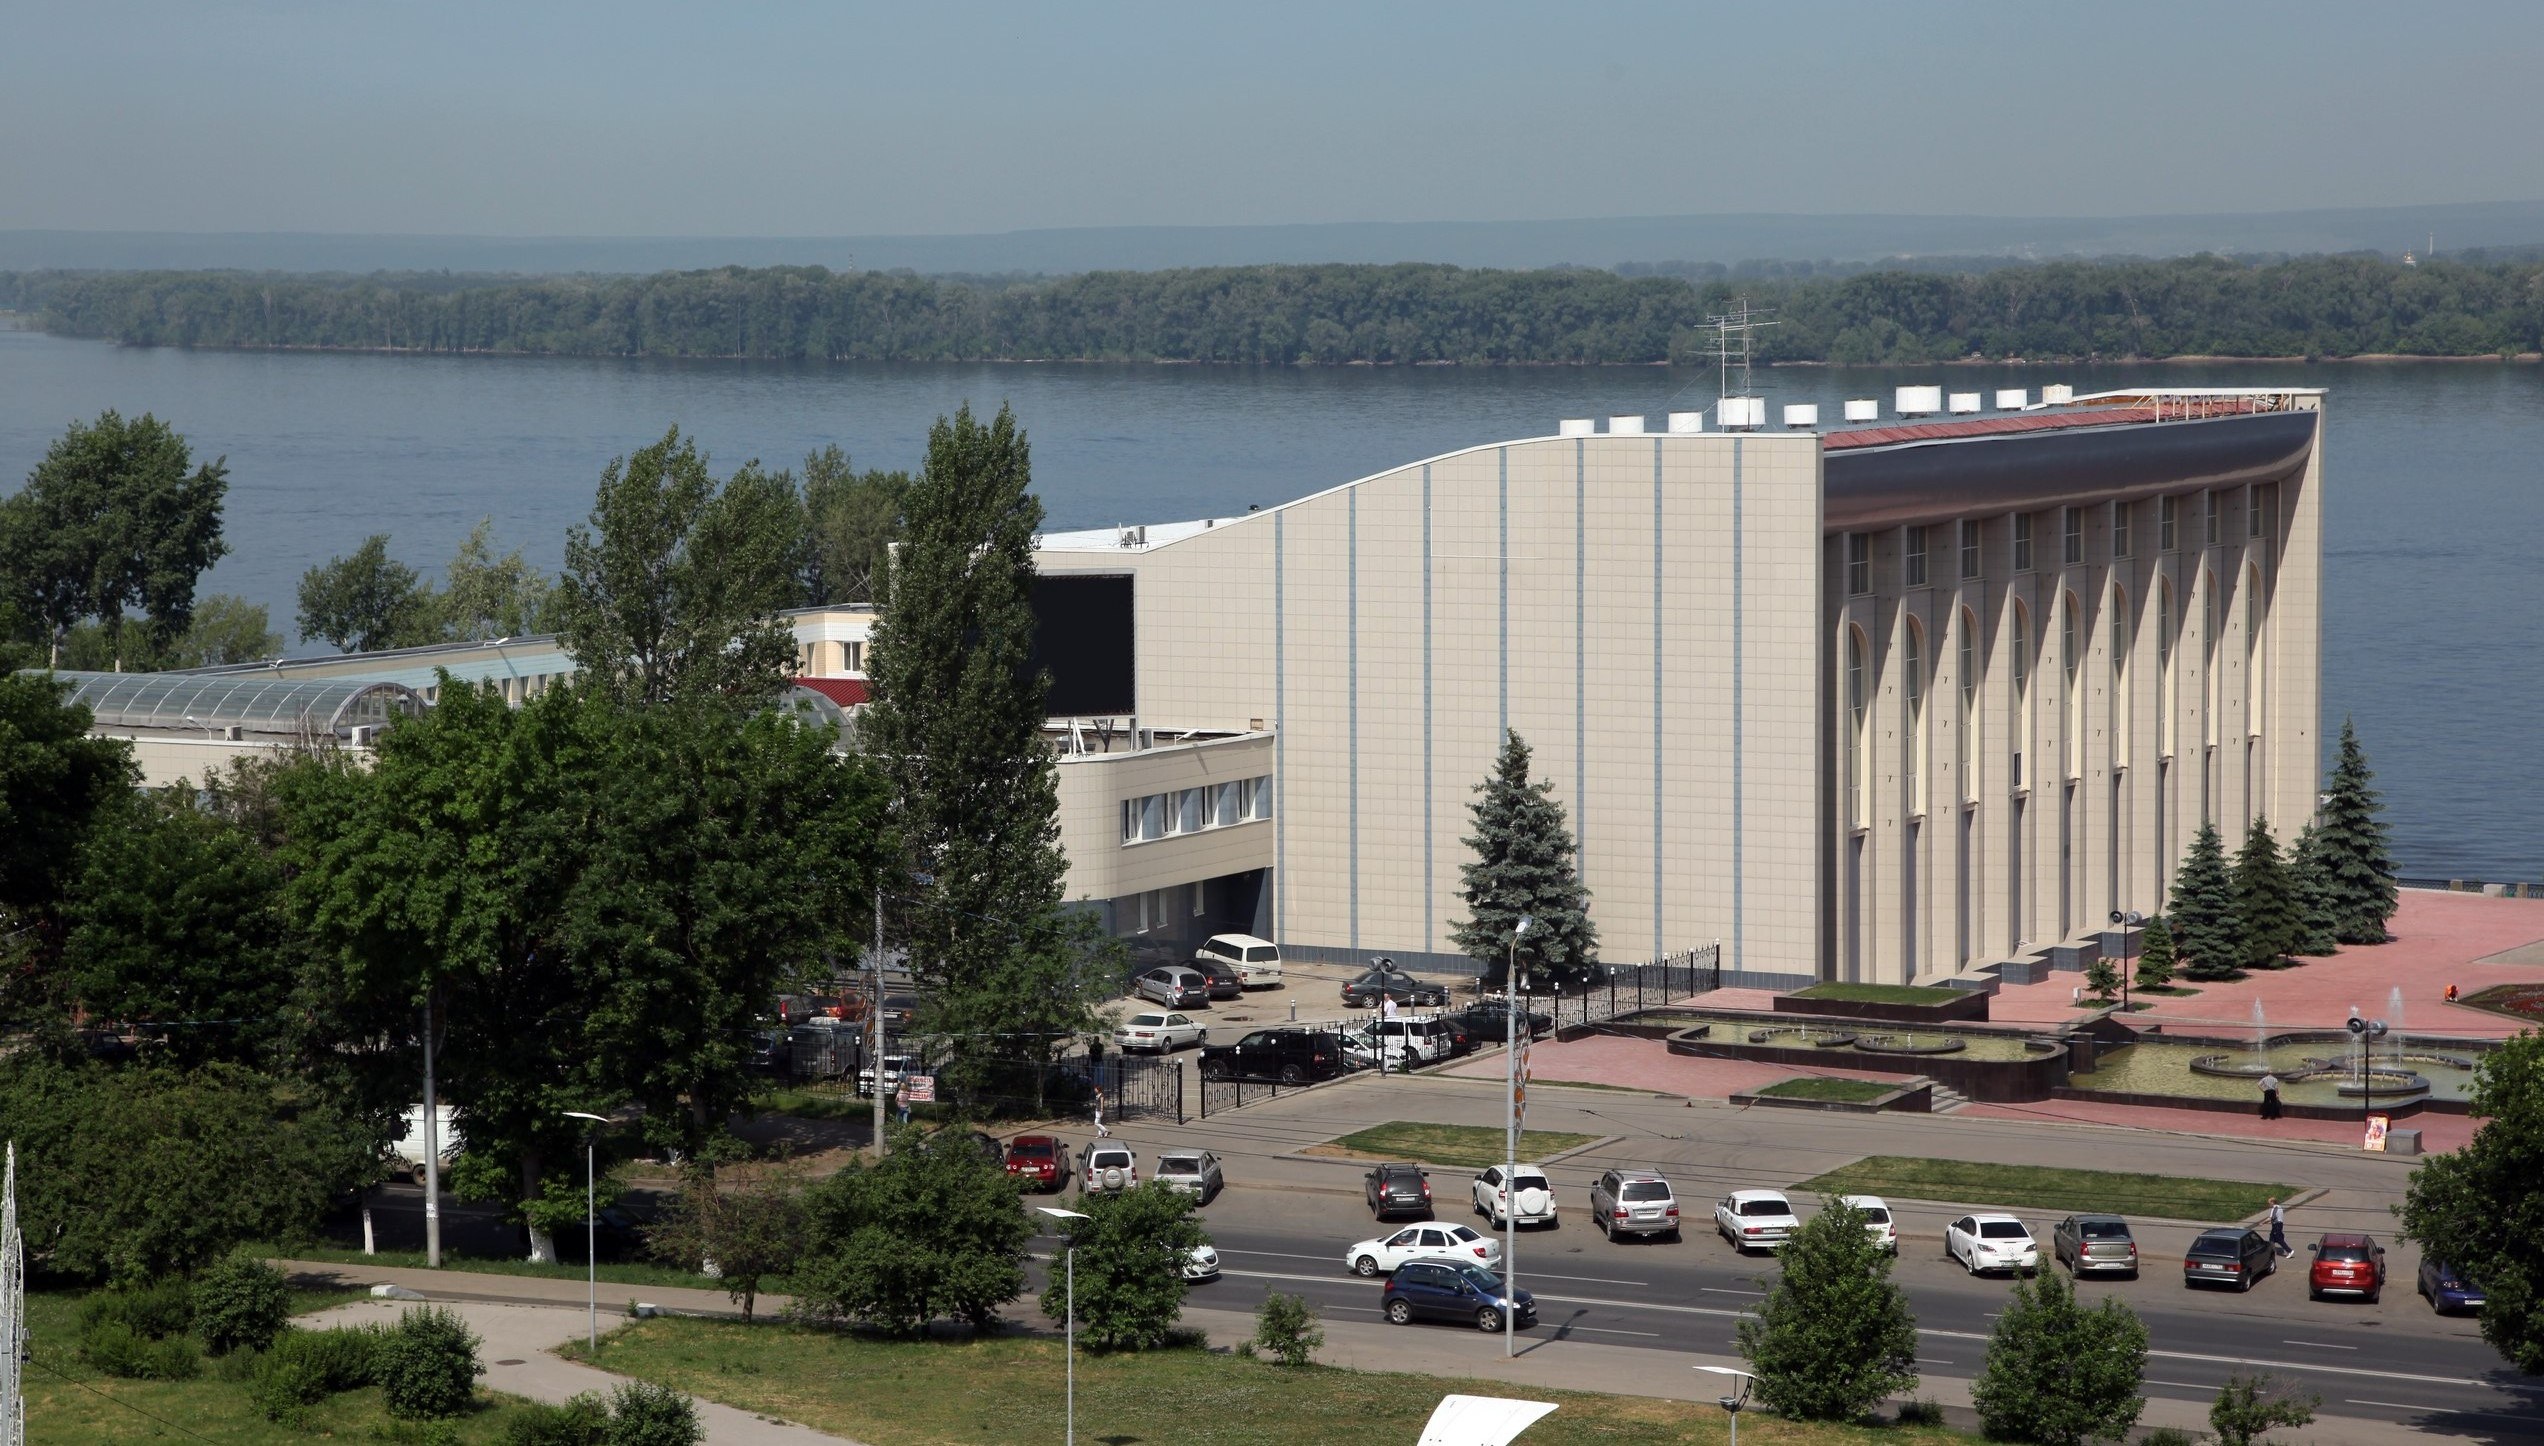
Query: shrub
(931, 1230)
(750, 1222)
(1920, 1413)
(1130, 1279)
(427, 1367)
(153, 1312)
(118, 1350)
(1834, 1337)
(284, 1390)
(1286, 1327)
(2168, 1436)
(644, 1414)
(582, 1421)
(2057, 1373)
(2249, 1407)
(240, 1304)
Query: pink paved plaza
(2466, 940)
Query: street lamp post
(591, 1233)
(2127, 920)
(1510, 1142)
(1738, 1401)
(1069, 1322)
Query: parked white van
(1257, 961)
(406, 1152)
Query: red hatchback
(2346, 1263)
(1040, 1162)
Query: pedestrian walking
(2269, 1096)
(1101, 1133)
(2279, 1228)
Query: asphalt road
(2394, 1361)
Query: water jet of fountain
(2394, 1022)
(2261, 1037)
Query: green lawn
(1879, 994)
(1470, 1146)
(611, 1272)
(69, 1404)
(2039, 1187)
(1009, 1388)
(1848, 1091)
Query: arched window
(1858, 714)
(2019, 652)
(2164, 667)
(1968, 626)
(1912, 678)
(2071, 697)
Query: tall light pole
(1510, 1141)
(1069, 1322)
(2126, 920)
(1738, 1401)
(432, 1149)
(874, 1019)
(591, 1233)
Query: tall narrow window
(2208, 655)
(2022, 542)
(2120, 529)
(2252, 651)
(1859, 563)
(2070, 657)
(1858, 712)
(2020, 656)
(1912, 679)
(2209, 527)
(2071, 535)
(2167, 510)
(1968, 627)
(1969, 550)
(2164, 667)
(2119, 710)
(2265, 515)
(1914, 553)
(2252, 511)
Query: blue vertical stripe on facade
(1503, 507)
(1736, 890)
(1580, 660)
(1657, 801)
(1351, 615)
(1430, 906)
(1280, 739)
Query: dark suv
(1292, 1056)
(1388, 982)
(1398, 1190)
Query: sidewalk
(520, 1320)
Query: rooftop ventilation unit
(1801, 414)
(1919, 401)
(1735, 412)
(1135, 536)
(1964, 402)
(2057, 396)
(1683, 422)
(2012, 399)
(1625, 426)
(1575, 427)
(1863, 409)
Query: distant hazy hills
(1602, 242)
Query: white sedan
(1432, 1241)
(1755, 1219)
(1536, 1203)
(1877, 1221)
(1160, 1032)
(1991, 1242)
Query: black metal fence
(1143, 1088)
(1632, 988)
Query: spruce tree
(956, 727)
(2102, 977)
(1523, 865)
(2208, 928)
(2360, 871)
(2265, 900)
(2156, 955)
(1834, 1338)
(2310, 880)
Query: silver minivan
(1257, 962)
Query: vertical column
(1351, 694)
(1430, 820)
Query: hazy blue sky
(635, 118)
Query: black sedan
(1377, 984)
(1491, 1022)
(2229, 1256)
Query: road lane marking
(1725, 1290)
(2180, 1385)
(1602, 1330)
(1532, 1275)
(2392, 1405)
(2320, 1345)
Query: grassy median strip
(1008, 1388)
(2040, 1187)
(1470, 1146)
(1880, 994)
(1843, 1091)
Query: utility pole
(432, 1149)
(874, 1017)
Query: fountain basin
(1909, 1044)
(2228, 1066)
(1796, 1036)
(2388, 1085)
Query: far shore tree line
(1335, 314)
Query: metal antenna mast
(1733, 331)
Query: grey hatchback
(2229, 1256)
(2085, 1243)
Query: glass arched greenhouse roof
(249, 702)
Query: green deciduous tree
(2355, 858)
(2477, 1206)
(2265, 900)
(485, 596)
(1523, 866)
(929, 1232)
(2156, 954)
(851, 520)
(1286, 1329)
(1130, 1276)
(2249, 1408)
(956, 727)
(2206, 925)
(368, 601)
(117, 519)
(2057, 1373)
(225, 629)
(55, 781)
(1834, 1337)
(748, 1221)
(2310, 883)
(676, 585)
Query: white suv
(1105, 1169)
(1256, 961)
(1535, 1204)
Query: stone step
(1947, 1099)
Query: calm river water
(2435, 502)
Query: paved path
(520, 1320)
